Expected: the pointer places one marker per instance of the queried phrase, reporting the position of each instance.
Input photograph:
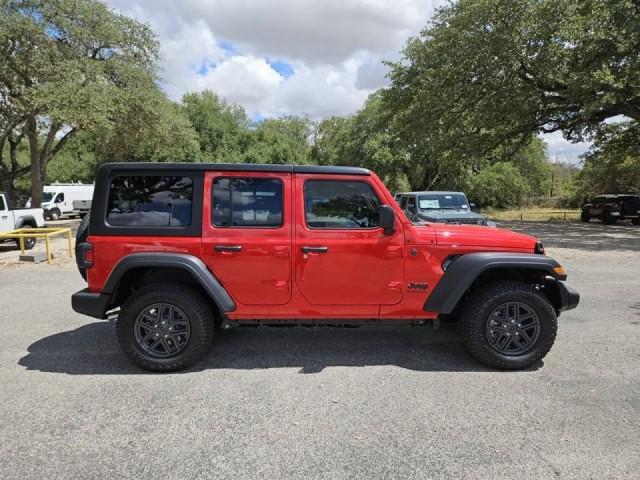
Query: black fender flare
(464, 270)
(192, 265)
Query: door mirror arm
(387, 218)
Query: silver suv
(439, 207)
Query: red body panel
(363, 274)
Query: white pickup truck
(19, 218)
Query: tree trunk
(36, 175)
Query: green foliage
(220, 127)
(499, 185)
(613, 163)
(496, 71)
(68, 66)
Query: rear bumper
(91, 304)
(569, 298)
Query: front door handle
(228, 248)
(315, 249)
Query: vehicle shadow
(92, 350)
(592, 236)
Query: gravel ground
(327, 403)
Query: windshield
(47, 196)
(443, 201)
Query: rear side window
(150, 201)
(340, 204)
(246, 202)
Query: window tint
(246, 202)
(2, 205)
(337, 204)
(60, 198)
(411, 204)
(150, 201)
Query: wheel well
(135, 278)
(531, 276)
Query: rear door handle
(228, 248)
(315, 249)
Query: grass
(534, 214)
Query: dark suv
(612, 207)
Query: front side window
(150, 201)
(60, 198)
(246, 202)
(340, 204)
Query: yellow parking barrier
(46, 233)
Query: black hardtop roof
(236, 167)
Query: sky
(288, 57)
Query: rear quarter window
(150, 201)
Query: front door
(342, 257)
(6, 217)
(246, 235)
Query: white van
(57, 199)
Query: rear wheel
(635, 221)
(29, 243)
(509, 325)
(608, 219)
(584, 216)
(165, 327)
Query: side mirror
(387, 218)
(472, 205)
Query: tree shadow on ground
(593, 236)
(92, 350)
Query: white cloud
(562, 150)
(335, 48)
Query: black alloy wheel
(162, 330)
(513, 329)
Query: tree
(220, 127)
(499, 185)
(67, 66)
(489, 73)
(612, 165)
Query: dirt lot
(327, 403)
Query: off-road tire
(477, 309)
(81, 236)
(608, 219)
(197, 311)
(54, 214)
(585, 217)
(29, 243)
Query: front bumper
(569, 298)
(91, 304)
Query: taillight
(84, 255)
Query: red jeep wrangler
(183, 248)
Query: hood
(448, 215)
(475, 236)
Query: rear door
(342, 256)
(246, 234)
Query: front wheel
(509, 325)
(165, 327)
(54, 214)
(584, 216)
